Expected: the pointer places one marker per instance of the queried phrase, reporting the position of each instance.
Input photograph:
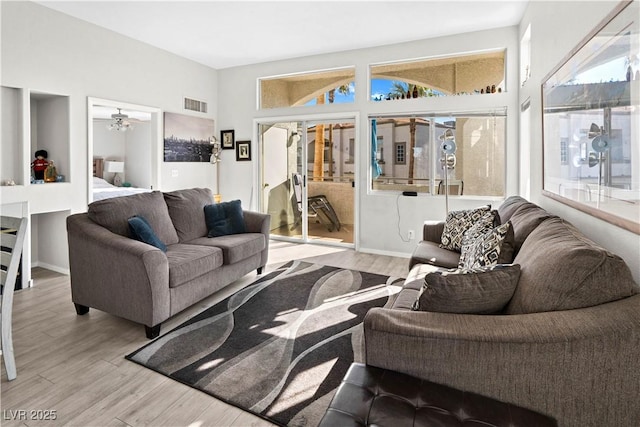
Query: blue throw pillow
(224, 218)
(142, 231)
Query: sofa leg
(152, 331)
(81, 309)
(260, 270)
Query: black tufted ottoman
(370, 396)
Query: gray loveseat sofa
(125, 277)
(567, 344)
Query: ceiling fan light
(119, 123)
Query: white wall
(109, 145)
(47, 230)
(10, 166)
(378, 218)
(50, 52)
(137, 167)
(132, 147)
(52, 132)
(551, 40)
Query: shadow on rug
(279, 347)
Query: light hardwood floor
(75, 366)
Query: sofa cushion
(427, 252)
(224, 218)
(113, 214)
(481, 290)
(186, 209)
(142, 231)
(186, 262)
(509, 206)
(235, 247)
(524, 220)
(562, 270)
(493, 246)
(457, 223)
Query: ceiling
(223, 34)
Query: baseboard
(51, 267)
(382, 252)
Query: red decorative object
(40, 164)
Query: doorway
(307, 179)
(135, 152)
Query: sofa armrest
(432, 231)
(256, 222)
(540, 361)
(116, 274)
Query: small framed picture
(227, 137)
(243, 151)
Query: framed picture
(187, 138)
(228, 139)
(590, 116)
(243, 151)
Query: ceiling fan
(119, 122)
(111, 118)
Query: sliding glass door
(307, 172)
(281, 149)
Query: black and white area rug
(279, 347)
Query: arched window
(475, 73)
(311, 88)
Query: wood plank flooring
(75, 366)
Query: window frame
(396, 146)
(498, 112)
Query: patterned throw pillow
(481, 290)
(457, 223)
(485, 224)
(484, 249)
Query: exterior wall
(480, 159)
(340, 195)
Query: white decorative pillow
(482, 290)
(458, 223)
(483, 248)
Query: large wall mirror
(591, 122)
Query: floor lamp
(215, 159)
(448, 160)
(600, 144)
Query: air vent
(195, 105)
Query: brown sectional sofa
(567, 344)
(125, 277)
